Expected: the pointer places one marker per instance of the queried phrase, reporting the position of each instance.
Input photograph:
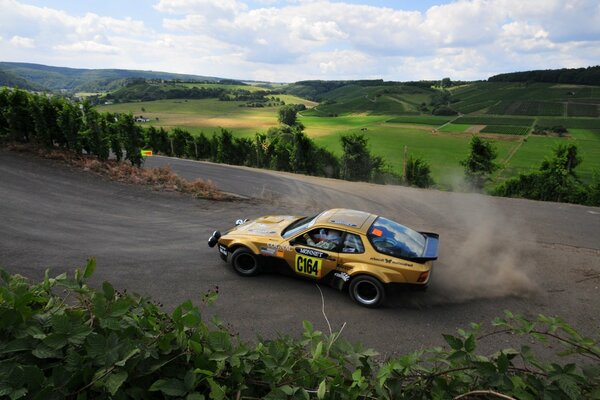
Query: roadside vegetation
(160, 178)
(81, 129)
(61, 338)
(428, 125)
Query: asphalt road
(496, 254)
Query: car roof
(347, 219)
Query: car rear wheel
(245, 262)
(367, 291)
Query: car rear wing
(432, 241)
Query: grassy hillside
(86, 80)
(535, 99)
(9, 79)
(356, 97)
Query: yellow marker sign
(146, 153)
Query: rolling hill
(85, 80)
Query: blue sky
(289, 40)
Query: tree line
(580, 76)
(555, 180)
(56, 122)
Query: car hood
(271, 225)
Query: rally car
(348, 249)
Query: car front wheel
(367, 291)
(245, 262)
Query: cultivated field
(441, 141)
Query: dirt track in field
(529, 257)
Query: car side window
(352, 244)
(326, 239)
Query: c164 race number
(309, 266)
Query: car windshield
(397, 240)
(298, 226)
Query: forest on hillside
(577, 76)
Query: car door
(312, 258)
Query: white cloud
(522, 37)
(211, 7)
(297, 39)
(20, 41)
(88, 46)
(342, 63)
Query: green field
(249, 88)
(494, 120)
(388, 118)
(206, 115)
(455, 128)
(420, 120)
(506, 129)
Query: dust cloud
(488, 253)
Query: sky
(292, 40)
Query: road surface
(496, 253)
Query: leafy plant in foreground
(62, 339)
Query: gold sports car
(348, 249)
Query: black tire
(245, 262)
(367, 291)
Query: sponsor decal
(223, 250)
(280, 247)
(377, 232)
(342, 275)
(261, 231)
(390, 261)
(308, 266)
(268, 251)
(311, 252)
(343, 267)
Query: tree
(327, 164)
(133, 139)
(302, 158)
(418, 172)
(480, 162)
(287, 115)
(70, 125)
(226, 149)
(203, 146)
(357, 163)
(158, 140)
(20, 123)
(280, 148)
(182, 142)
(4, 104)
(555, 180)
(96, 135)
(262, 146)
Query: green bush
(63, 339)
